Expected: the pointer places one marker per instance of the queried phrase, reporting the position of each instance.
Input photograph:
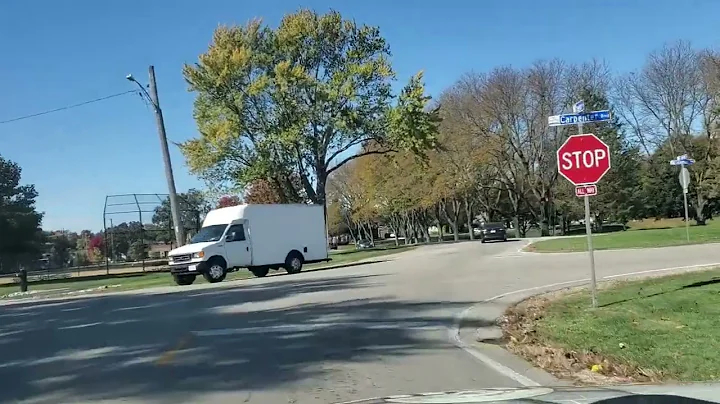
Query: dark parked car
(364, 244)
(493, 232)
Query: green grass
(148, 280)
(669, 325)
(639, 235)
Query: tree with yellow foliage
(299, 101)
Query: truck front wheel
(293, 262)
(184, 280)
(216, 271)
(260, 271)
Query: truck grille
(180, 258)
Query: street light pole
(155, 101)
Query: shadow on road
(247, 338)
(336, 266)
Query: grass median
(132, 281)
(642, 234)
(656, 329)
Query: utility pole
(112, 240)
(172, 193)
(174, 209)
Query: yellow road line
(167, 357)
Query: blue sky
(56, 53)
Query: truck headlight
(198, 254)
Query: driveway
(316, 337)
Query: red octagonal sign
(583, 159)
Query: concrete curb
(521, 250)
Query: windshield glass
(494, 226)
(209, 233)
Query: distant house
(159, 250)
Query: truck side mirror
(229, 238)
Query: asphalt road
(317, 337)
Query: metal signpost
(583, 160)
(684, 177)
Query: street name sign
(579, 107)
(683, 160)
(579, 118)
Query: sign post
(583, 160)
(684, 177)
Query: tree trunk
(395, 227)
(456, 232)
(406, 229)
(544, 225)
(442, 209)
(320, 197)
(350, 226)
(424, 226)
(699, 205)
(362, 234)
(372, 236)
(438, 222)
(469, 216)
(599, 222)
(413, 227)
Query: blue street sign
(574, 119)
(579, 107)
(683, 160)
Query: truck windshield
(209, 233)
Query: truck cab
(213, 251)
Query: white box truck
(257, 237)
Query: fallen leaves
(583, 367)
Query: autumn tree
(96, 248)
(402, 194)
(228, 200)
(299, 101)
(335, 221)
(343, 193)
(464, 162)
(264, 192)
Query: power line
(20, 118)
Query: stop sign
(583, 159)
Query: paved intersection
(317, 337)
